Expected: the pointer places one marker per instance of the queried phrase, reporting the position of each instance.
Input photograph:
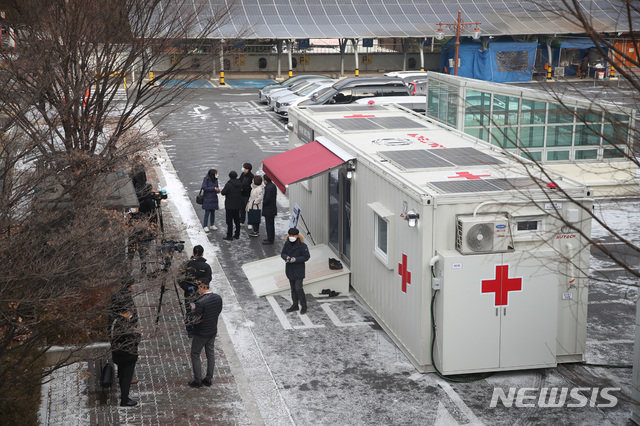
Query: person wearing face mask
(295, 253)
(210, 191)
(246, 179)
(232, 205)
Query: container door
(468, 323)
(529, 315)
(340, 213)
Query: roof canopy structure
(289, 19)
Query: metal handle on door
(497, 310)
(504, 311)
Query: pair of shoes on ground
(210, 228)
(267, 242)
(129, 403)
(329, 292)
(231, 238)
(197, 384)
(254, 234)
(294, 308)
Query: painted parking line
(196, 84)
(248, 82)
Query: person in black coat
(196, 270)
(124, 339)
(246, 179)
(269, 209)
(210, 191)
(232, 205)
(204, 317)
(295, 253)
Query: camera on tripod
(168, 247)
(158, 195)
(171, 246)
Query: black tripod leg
(162, 290)
(175, 286)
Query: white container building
(426, 217)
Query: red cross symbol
(402, 271)
(358, 116)
(467, 175)
(501, 285)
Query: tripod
(163, 289)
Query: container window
(381, 235)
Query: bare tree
(66, 130)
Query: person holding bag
(209, 191)
(254, 206)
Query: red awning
(300, 163)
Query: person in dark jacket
(269, 209)
(138, 175)
(124, 339)
(246, 179)
(204, 317)
(196, 271)
(232, 205)
(295, 253)
(210, 191)
(143, 227)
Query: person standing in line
(232, 204)
(255, 202)
(124, 339)
(295, 253)
(246, 179)
(269, 209)
(210, 191)
(204, 318)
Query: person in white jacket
(255, 202)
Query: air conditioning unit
(482, 234)
(558, 72)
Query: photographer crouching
(196, 271)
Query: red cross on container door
(501, 285)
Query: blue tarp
(504, 60)
(562, 57)
(576, 43)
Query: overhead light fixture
(439, 34)
(476, 33)
(412, 218)
(351, 168)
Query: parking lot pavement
(333, 366)
(326, 372)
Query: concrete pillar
(289, 49)
(221, 62)
(354, 41)
(635, 414)
(405, 51)
(279, 49)
(343, 48)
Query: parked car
(283, 104)
(277, 94)
(284, 84)
(412, 83)
(351, 89)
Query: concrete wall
(378, 62)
